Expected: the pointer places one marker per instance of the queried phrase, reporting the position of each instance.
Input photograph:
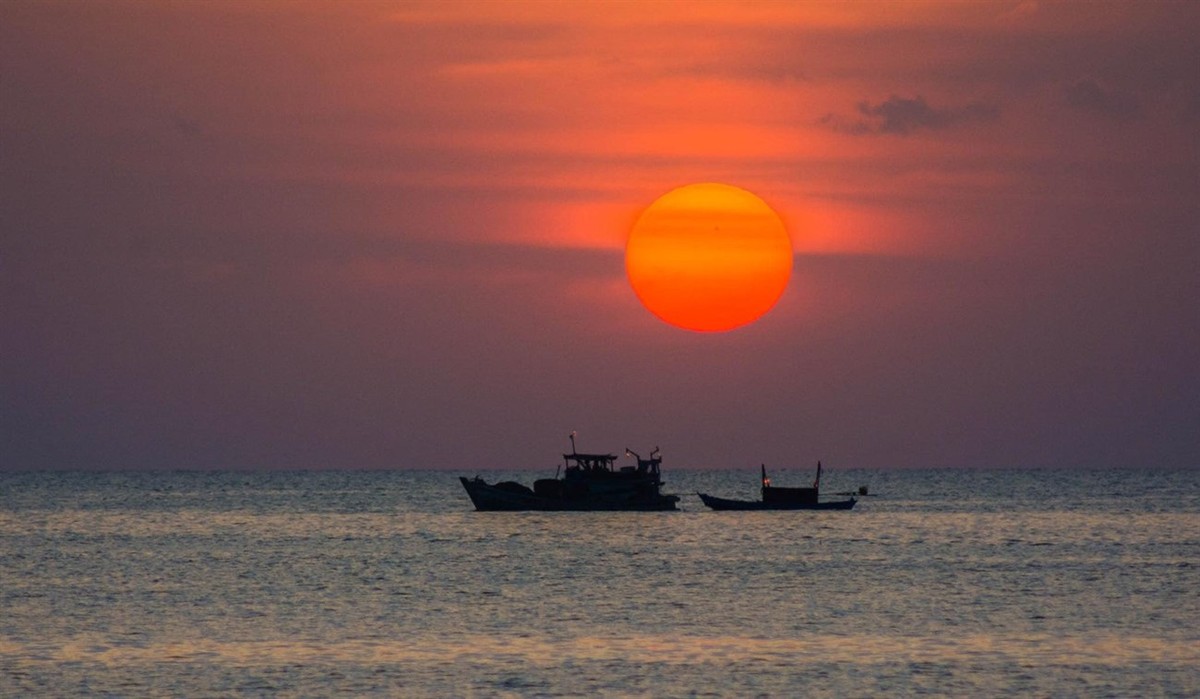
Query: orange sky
(249, 223)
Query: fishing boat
(779, 498)
(588, 482)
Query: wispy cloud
(902, 116)
(1090, 96)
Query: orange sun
(708, 257)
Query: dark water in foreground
(1031, 583)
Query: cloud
(1024, 11)
(902, 116)
(1090, 96)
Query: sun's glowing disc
(708, 257)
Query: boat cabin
(779, 496)
(776, 495)
(589, 463)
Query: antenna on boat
(572, 435)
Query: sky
(279, 235)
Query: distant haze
(367, 235)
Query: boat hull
(489, 498)
(727, 504)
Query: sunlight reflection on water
(1108, 650)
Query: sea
(946, 582)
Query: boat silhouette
(589, 482)
(780, 498)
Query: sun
(708, 257)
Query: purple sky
(390, 235)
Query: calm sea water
(951, 582)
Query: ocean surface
(949, 582)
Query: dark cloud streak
(902, 116)
(1090, 96)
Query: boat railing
(646, 465)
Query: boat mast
(566, 459)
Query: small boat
(777, 498)
(862, 491)
(589, 482)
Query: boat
(778, 498)
(589, 482)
